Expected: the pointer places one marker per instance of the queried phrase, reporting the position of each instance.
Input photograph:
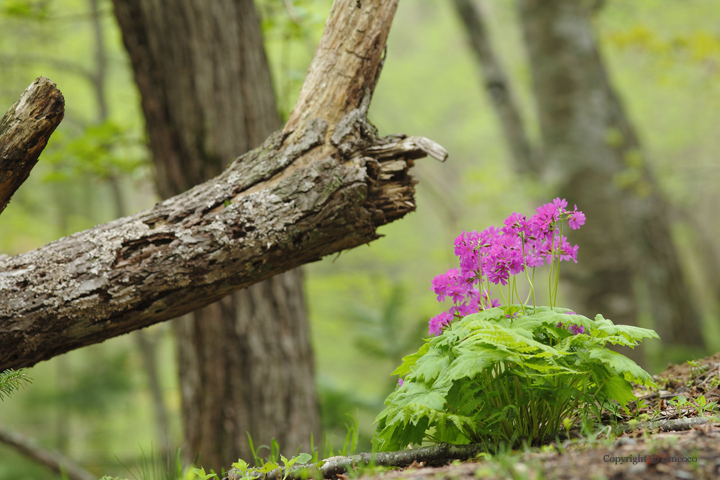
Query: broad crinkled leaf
(607, 328)
(472, 359)
(552, 317)
(410, 360)
(420, 394)
(618, 389)
(622, 365)
(504, 338)
(430, 366)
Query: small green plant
(679, 402)
(11, 381)
(265, 466)
(696, 369)
(201, 475)
(703, 406)
(248, 473)
(519, 373)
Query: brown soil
(691, 453)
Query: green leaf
(471, 360)
(410, 360)
(241, 465)
(200, 472)
(430, 366)
(618, 389)
(268, 467)
(621, 365)
(606, 328)
(300, 459)
(420, 394)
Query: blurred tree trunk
(498, 87)
(592, 154)
(245, 362)
(145, 344)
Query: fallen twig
(677, 424)
(435, 454)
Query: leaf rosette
(490, 378)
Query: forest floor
(671, 445)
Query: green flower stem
(503, 296)
(517, 294)
(532, 289)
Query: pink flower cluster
(496, 253)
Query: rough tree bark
(589, 144)
(24, 132)
(322, 185)
(207, 94)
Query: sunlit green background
(368, 306)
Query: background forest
(102, 406)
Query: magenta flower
(400, 381)
(543, 222)
(560, 204)
(494, 254)
(438, 321)
(564, 251)
(576, 329)
(577, 219)
(515, 225)
(449, 284)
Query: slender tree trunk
(592, 155)
(245, 363)
(498, 87)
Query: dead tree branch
(52, 460)
(24, 132)
(323, 184)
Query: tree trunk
(590, 150)
(207, 95)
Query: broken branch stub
(24, 132)
(305, 193)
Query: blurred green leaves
(103, 151)
(25, 9)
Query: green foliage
(247, 473)
(160, 467)
(11, 381)
(201, 475)
(703, 406)
(25, 9)
(495, 380)
(102, 151)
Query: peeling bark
(24, 132)
(274, 209)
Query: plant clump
(516, 373)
